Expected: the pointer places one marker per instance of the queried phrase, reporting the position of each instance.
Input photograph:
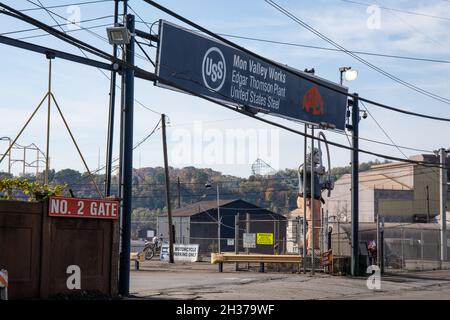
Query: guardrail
(221, 258)
(137, 257)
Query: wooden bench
(137, 257)
(221, 258)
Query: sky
(203, 134)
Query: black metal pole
(166, 173)
(179, 192)
(122, 109)
(355, 188)
(127, 170)
(112, 102)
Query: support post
(168, 204)
(112, 102)
(311, 204)
(47, 152)
(236, 237)
(127, 164)
(382, 245)
(355, 187)
(219, 222)
(378, 239)
(179, 192)
(442, 202)
(122, 112)
(305, 247)
(247, 230)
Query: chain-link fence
(249, 234)
(410, 247)
(397, 246)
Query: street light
(118, 35)
(209, 186)
(348, 74)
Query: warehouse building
(398, 191)
(197, 224)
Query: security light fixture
(348, 74)
(118, 35)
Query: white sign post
(249, 240)
(181, 252)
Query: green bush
(31, 190)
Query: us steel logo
(214, 69)
(313, 102)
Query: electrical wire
(66, 5)
(365, 62)
(285, 68)
(375, 54)
(67, 31)
(292, 130)
(109, 57)
(54, 26)
(278, 124)
(398, 10)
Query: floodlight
(118, 35)
(350, 74)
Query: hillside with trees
(277, 192)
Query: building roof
(378, 181)
(202, 206)
(199, 207)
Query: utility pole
(122, 110)
(378, 239)
(127, 163)
(443, 202)
(305, 247)
(112, 102)
(355, 187)
(428, 204)
(311, 203)
(166, 171)
(179, 193)
(236, 238)
(219, 220)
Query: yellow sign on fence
(264, 238)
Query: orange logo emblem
(313, 102)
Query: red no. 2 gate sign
(83, 208)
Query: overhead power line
(335, 49)
(66, 5)
(282, 67)
(71, 40)
(365, 62)
(54, 26)
(398, 10)
(66, 37)
(286, 127)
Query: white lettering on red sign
(83, 208)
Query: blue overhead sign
(187, 60)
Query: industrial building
(398, 191)
(197, 223)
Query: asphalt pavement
(201, 280)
